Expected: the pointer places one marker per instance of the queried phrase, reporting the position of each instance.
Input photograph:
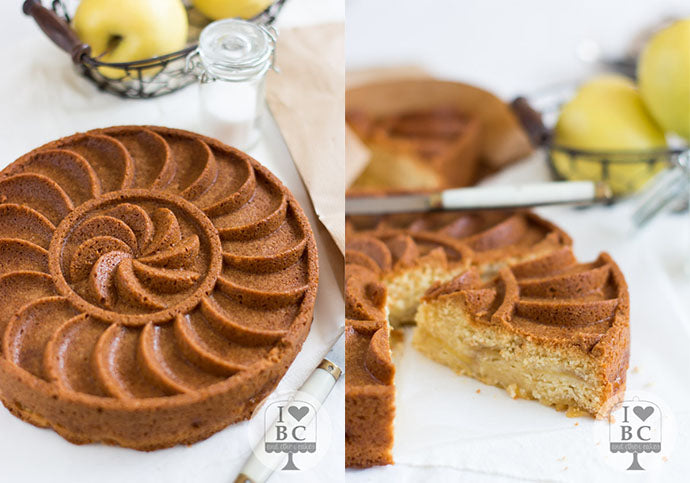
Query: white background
(445, 430)
(41, 98)
(505, 46)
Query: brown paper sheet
(307, 100)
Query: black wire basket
(140, 79)
(626, 172)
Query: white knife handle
(318, 386)
(523, 195)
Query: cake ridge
(585, 298)
(135, 252)
(370, 369)
(470, 234)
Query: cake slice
(549, 329)
(369, 389)
(425, 149)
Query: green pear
(607, 114)
(664, 77)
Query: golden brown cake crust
(482, 237)
(369, 391)
(519, 276)
(556, 301)
(502, 138)
(157, 286)
(553, 299)
(568, 318)
(441, 143)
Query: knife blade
(484, 198)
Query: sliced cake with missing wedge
(498, 296)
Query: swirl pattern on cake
(157, 284)
(485, 237)
(551, 299)
(417, 250)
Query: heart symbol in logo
(643, 413)
(298, 413)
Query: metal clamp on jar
(231, 63)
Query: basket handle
(57, 30)
(531, 121)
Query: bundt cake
(426, 149)
(156, 286)
(497, 296)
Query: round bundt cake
(156, 286)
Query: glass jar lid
(233, 48)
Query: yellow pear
(663, 74)
(607, 114)
(129, 30)
(217, 9)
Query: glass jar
(231, 62)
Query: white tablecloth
(41, 99)
(445, 430)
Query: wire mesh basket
(626, 172)
(140, 79)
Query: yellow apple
(129, 30)
(217, 9)
(664, 77)
(607, 114)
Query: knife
(484, 198)
(318, 386)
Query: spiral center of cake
(135, 256)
